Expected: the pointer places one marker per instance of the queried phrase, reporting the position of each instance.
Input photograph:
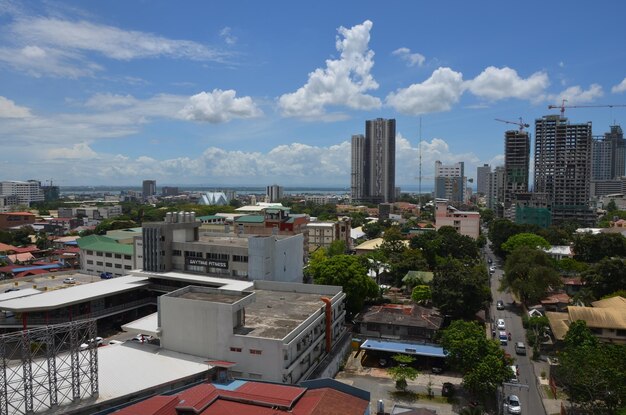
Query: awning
(418, 349)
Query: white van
(515, 377)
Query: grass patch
(560, 394)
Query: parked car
(515, 377)
(114, 342)
(512, 405)
(500, 305)
(490, 261)
(97, 341)
(504, 339)
(520, 348)
(69, 280)
(447, 389)
(492, 269)
(11, 290)
(141, 338)
(500, 324)
(106, 275)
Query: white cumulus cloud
(576, 95)
(500, 83)
(411, 59)
(227, 35)
(343, 82)
(77, 151)
(619, 88)
(8, 109)
(219, 106)
(438, 93)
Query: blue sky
(226, 93)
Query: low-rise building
(101, 254)
(606, 320)
(10, 220)
(465, 223)
(323, 234)
(397, 321)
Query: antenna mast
(420, 172)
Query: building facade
(609, 155)
(323, 234)
(101, 255)
(516, 166)
(176, 244)
(273, 193)
(465, 223)
(450, 182)
(563, 168)
(482, 179)
(373, 175)
(148, 188)
(26, 192)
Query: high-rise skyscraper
(450, 182)
(373, 176)
(516, 166)
(148, 188)
(482, 178)
(609, 155)
(563, 167)
(273, 193)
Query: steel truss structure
(46, 367)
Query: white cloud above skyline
(8, 109)
(219, 106)
(343, 82)
(619, 88)
(500, 83)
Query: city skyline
(104, 94)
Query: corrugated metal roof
(612, 302)
(104, 244)
(76, 294)
(250, 219)
(406, 348)
(607, 318)
(559, 324)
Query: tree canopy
(592, 372)
(460, 290)
(445, 242)
(593, 248)
(346, 271)
(529, 240)
(529, 273)
(480, 360)
(606, 277)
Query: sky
(233, 93)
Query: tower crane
(563, 106)
(521, 123)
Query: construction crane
(521, 123)
(563, 106)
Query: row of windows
(252, 351)
(240, 258)
(108, 264)
(109, 255)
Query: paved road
(526, 389)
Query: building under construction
(516, 165)
(563, 168)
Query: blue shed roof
(15, 270)
(406, 348)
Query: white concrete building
(100, 254)
(26, 192)
(273, 331)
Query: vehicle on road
(490, 261)
(492, 269)
(97, 341)
(520, 348)
(512, 405)
(515, 377)
(106, 275)
(500, 305)
(141, 338)
(11, 290)
(69, 280)
(504, 339)
(114, 342)
(500, 324)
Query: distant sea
(299, 190)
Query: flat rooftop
(215, 297)
(275, 314)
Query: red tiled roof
(327, 401)
(24, 249)
(31, 272)
(5, 247)
(198, 396)
(269, 393)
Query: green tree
(460, 290)
(348, 272)
(571, 266)
(403, 370)
(480, 360)
(591, 372)
(486, 216)
(372, 229)
(528, 274)
(593, 248)
(526, 239)
(408, 260)
(536, 330)
(336, 248)
(500, 230)
(611, 206)
(606, 276)
(421, 294)
(42, 242)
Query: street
(526, 389)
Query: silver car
(512, 405)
